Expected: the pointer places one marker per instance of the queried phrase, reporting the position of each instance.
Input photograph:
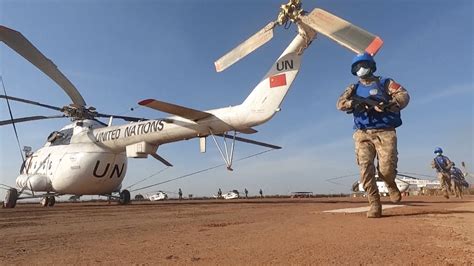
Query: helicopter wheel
(124, 197)
(10, 198)
(51, 201)
(44, 201)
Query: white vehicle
(89, 157)
(234, 194)
(160, 195)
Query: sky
(120, 52)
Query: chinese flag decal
(277, 80)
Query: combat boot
(446, 194)
(375, 210)
(394, 192)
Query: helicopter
(89, 157)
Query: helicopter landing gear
(10, 198)
(52, 201)
(124, 197)
(48, 201)
(44, 201)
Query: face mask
(362, 72)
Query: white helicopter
(382, 186)
(419, 183)
(89, 157)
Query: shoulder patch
(393, 86)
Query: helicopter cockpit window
(62, 137)
(53, 136)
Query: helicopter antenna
(200, 171)
(152, 175)
(13, 121)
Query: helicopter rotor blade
(29, 118)
(413, 175)
(16, 41)
(408, 176)
(31, 102)
(100, 122)
(343, 32)
(126, 118)
(251, 44)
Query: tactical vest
(441, 163)
(456, 173)
(458, 177)
(371, 119)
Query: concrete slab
(361, 209)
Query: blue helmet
(365, 57)
(438, 150)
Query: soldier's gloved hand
(349, 104)
(360, 107)
(380, 108)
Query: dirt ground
(429, 230)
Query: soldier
(246, 193)
(458, 181)
(219, 193)
(261, 193)
(443, 165)
(375, 103)
(180, 194)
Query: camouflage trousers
(445, 181)
(369, 145)
(456, 188)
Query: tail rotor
(337, 29)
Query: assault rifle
(367, 104)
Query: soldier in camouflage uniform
(375, 103)
(180, 194)
(459, 180)
(443, 165)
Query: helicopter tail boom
(266, 98)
